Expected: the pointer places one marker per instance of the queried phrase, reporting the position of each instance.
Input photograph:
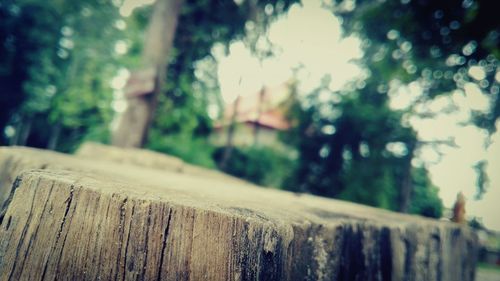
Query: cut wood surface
(78, 218)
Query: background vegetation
(58, 60)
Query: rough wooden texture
(110, 221)
(96, 158)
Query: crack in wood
(6, 204)
(146, 242)
(23, 233)
(68, 204)
(121, 228)
(98, 238)
(35, 233)
(164, 243)
(69, 201)
(126, 266)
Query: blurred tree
(444, 46)
(204, 32)
(26, 36)
(57, 68)
(202, 24)
(351, 146)
(354, 146)
(61, 85)
(135, 121)
(433, 42)
(425, 200)
(482, 180)
(258, 164)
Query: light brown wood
(83, 219)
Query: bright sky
(312, 37)
(242, 73)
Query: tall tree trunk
(54, 136)
(228, 149)
(260, 108)
(406, 189)
(407, 182)
(23, 130)
(135, 121)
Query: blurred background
(393, 104)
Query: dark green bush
(260, 165)
(197, 151)
(425, 198)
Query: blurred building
(256, 118)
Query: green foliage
(182, 109)
(190, 149)
(26, 42)
(425, 199)
(364, 182)
(343, 147)
(57, 70)
(181, 116)
(434, 42)
(57, 59)
(345, 142)
(261, 165)
(357, 149)
(482, 180)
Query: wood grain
(82, 219)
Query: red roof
(271, 119)
(248, 109)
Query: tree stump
(73, 218)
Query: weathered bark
(112, 221)
(134, 123)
